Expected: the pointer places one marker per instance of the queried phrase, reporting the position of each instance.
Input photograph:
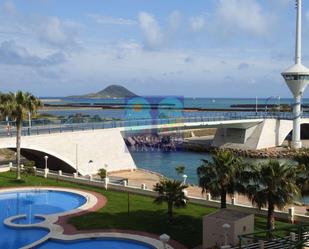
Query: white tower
(297, 79)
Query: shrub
(102, 173)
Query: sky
(200, 48)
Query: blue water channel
(31, 203)
(166, 162)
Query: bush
(28, 168)
(102, 173)
(180, 169)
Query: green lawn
(144, 214)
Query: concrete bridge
(87, 147)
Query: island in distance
(110, 92)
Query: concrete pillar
(106, 181)
(185, 192)
(208, 197)
(125, 183)
(261, 244)
(74, 175)
(234, 202)
(60, 172)
(143, 186)
(11, 165)
(46, 172)
(291, 213)
(164, 238)
(293, 236)
(34, 170)
(296, 142)
(90, 177)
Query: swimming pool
(36, 218)
(30, 203)
(108, 243)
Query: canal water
(166, 162)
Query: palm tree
(273, 185)
(222, 175)
(170, 191)
(17, 106)
(302, 159)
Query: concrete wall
(213, 232)
(267, 134)
(78, 148)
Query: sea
(179, 102)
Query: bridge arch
(55, 161)
(304, 132)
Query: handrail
(45, 126)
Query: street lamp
(89, 163)
(226, 228)
(184, 179)
(269, 98)
(106, 177)
(164, 238)
(46, 169)
(46, 158)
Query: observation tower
(297, 79)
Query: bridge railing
(48, 126)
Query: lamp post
(106, 177)
(256, 106)
(46, 168)
(164, 238)
(184, 179)
(89, 164)
(279, 103)
(226, 228)
(266, 103)
(106, 166)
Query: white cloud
(111, 20)
(9, 7)
(174, 20)
(57, 33)
(197, 23)
(151, 29)
(13, 54)
(242, 16)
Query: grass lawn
(144, 214)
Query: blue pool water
(31, 203)
(97, 243)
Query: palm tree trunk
(271, 216)
(170, 211)
(18, 138)
(223, 199)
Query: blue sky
(200, 48)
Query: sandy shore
(139, 176)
